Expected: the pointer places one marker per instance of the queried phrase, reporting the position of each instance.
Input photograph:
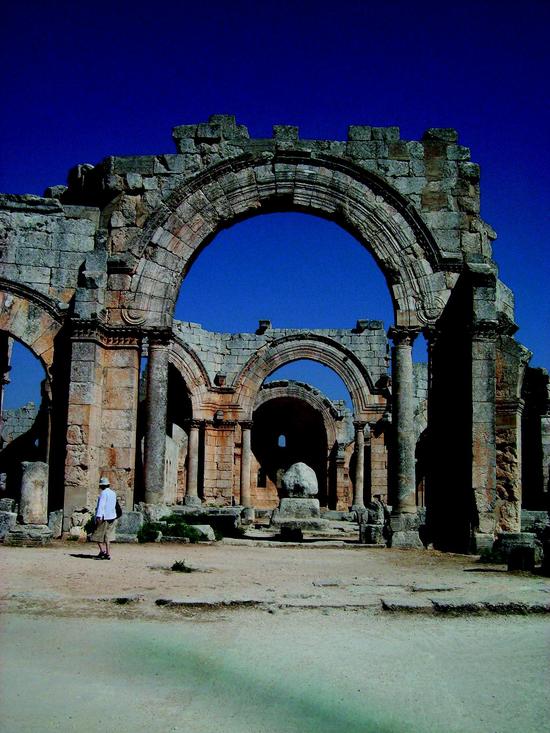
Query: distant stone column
(358, 499)
(403, 420)
(192, 494)
(156, 415)
(34, 493)
(246, 458)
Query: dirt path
(302, 644)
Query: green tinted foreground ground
(288, 672)
(305, 646)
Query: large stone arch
(225, 193)
(304, 346)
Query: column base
(191, 501)
(404, 531)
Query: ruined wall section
(17, 421)
(43, 244)
(227, 353)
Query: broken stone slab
(206, 532)
(7, 504)
(509, 542)
(129, 523)
(29, 535)
(80, 517)
(55, 523)
(371, 534)
(8, 521)
(406, 539)
(522, 558)
(153, 512)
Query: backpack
(118, 510)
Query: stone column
(358, 499)
(246, 458)
(403, 420)
(192, 494)
(156, 415)
(34, 493)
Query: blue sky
(85, 80)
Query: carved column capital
(246, 424)
(159, 337)
(485, 330)
(193, 423)
(402, 336)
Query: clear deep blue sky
(81, 81)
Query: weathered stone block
(55, 523)
(129, 523)
(7, 522)
(28, 535)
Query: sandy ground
(305, 646)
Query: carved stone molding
(104, 335)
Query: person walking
(105, 517)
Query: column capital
(193, 422)
(403, 336)
(360, 425)
(246, 424)
(159, 337)
(485, 330)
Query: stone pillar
(484, 334)
(192, 494)
(358, 499)
(403, 420)
(34, 493)
(156, 415)
(246, 458)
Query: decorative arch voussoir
(333, 188)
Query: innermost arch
(296, 270)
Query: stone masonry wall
(44, 243)
(228, 352)
(17, 421)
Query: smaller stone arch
(32, 324)
(305, 346)
(304, 392)
(193, 372)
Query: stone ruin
(89, 277)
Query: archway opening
(25, 404)
(298, 270)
